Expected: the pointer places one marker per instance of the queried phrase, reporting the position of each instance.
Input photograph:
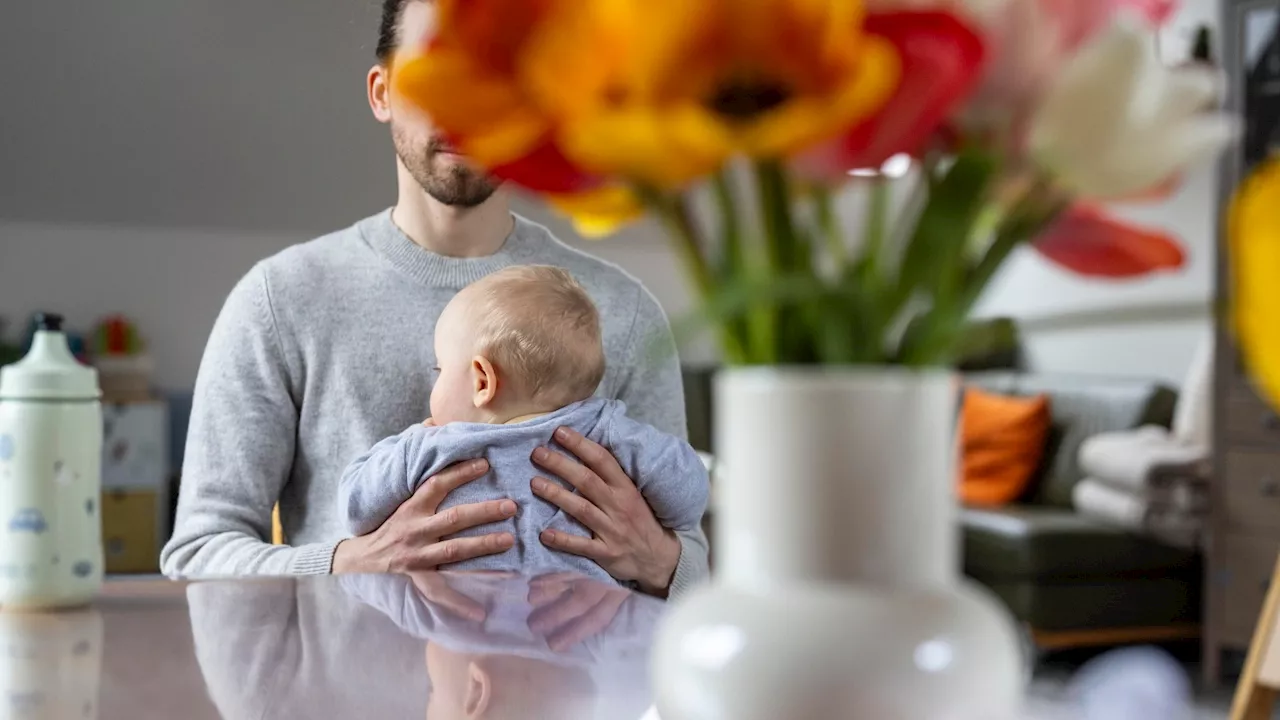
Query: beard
(453, 184)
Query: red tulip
(546, 170)
(1090, 242)
(942, 60)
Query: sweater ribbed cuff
(688, 573)
(316, 559)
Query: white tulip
(1117, 122)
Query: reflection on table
(436, 646)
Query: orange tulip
(468, 80)
(657, 91)
(669, 89)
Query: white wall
(171, 282)
(1148, 327)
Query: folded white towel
(1145, 458)
(1113, 506)
(1190, 498)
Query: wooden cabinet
(1244, 537)
(1244, 532)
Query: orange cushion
(1002, 442)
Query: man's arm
(240, 448)
(653, 390)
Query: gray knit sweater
(324, 349)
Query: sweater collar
(440, 271)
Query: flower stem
(675, 214)
(785, 255)
(732, 265)
(877, 226)
(1022, 224)
(731, 226)
(830, 226)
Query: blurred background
(152, 151)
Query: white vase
(837, 593)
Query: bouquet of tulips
(1004, 122)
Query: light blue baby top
(667, 471)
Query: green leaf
(934, 258)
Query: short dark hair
(389, 29)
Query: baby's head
(466, 686)
(521, 341)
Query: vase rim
(839, 371)
(846, 378)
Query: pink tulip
(1028, 43)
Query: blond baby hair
(540, 329)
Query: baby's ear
(484, 381)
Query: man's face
(434, 164)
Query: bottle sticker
(28, 520)
(26, 703)
(6, 447)
(17, 572)
(82, 569)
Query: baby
(520, 355)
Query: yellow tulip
(601, 212)
(1254, 234)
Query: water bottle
(50, 476)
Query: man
(325, 348)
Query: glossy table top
(437, 646)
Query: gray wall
(246, 114)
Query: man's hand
(437, 590)
(570, 609)
(413, 537)
(628, 541)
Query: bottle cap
(49, 372)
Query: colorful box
(135, 485)
(131, 531)
(135, 447)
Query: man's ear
(379, 88)
(484, 381)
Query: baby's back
(666, 470)
(509, 450)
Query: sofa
(1070, 580)
(1074, 581)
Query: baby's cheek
(437, 404)
(445, 403)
